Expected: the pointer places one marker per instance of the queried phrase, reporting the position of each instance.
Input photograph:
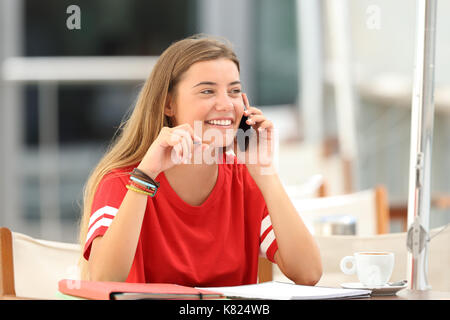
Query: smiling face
(209, 94)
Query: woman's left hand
(259, 156)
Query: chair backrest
(38, 265)
(314, 187)
(369, 207)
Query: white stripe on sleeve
(265, 244)
(103, 222)
(105, 210)
(265, 223)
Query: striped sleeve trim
(268, 244)
(98, 224)
(266, 223)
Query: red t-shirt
(214, 244)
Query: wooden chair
(369, 207)
(315, 186)
(334, 248)
(31, 268)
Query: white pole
(310, 84)
(11, 119)
(346, 103)
(49, 177)
(422, 113)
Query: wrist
(265, 179)
(257, 171)
(151, 173)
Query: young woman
(154, 213)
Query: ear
(169, 109)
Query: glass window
(275, 52)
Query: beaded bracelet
(130, 187)
(141, 182)
(141, 187)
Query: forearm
(297, 250)
(112, 255)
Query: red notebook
(123, 291)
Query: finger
(176, 140)
(187, 127)
(177, 154)
(248, 110)
(173, 139)
(183, 141)
(190, 144)
(252, 111)
(245, 98)
(185, 149)
(186, 130)
(256, 119)
(266, 125)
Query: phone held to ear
(243, 143)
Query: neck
(184, 171)
(196, 170)
(182, 178)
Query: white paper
(274, 290)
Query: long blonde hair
(135, 134)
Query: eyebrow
(210, 83)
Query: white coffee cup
(374, 269)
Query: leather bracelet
(142, 175)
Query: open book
(286, 291)
(131, 291)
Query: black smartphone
(243, 143)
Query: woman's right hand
(172, 146)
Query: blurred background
(334, 76)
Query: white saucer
(385, 290)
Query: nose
(224, 102)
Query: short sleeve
(267, 243)
(106, 203)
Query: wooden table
(8, 297)
(404, 294)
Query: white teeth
(220, 122)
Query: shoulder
(117, 177)
(111, 188)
